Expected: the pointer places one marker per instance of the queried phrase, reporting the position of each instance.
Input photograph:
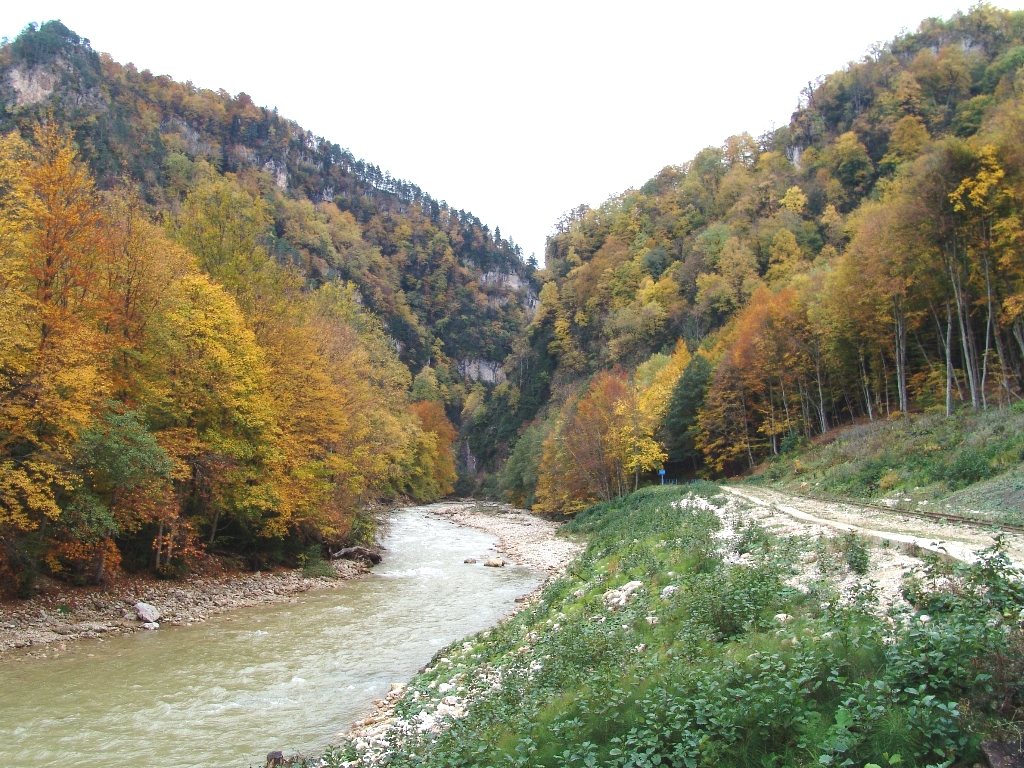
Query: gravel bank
(61, 614)
(523, 538)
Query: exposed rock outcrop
(480, 369)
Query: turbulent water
(287, 677)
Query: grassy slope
(719, 680)
(971, 462)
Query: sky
(516, 111)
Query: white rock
(495, 562)
(668, 591)
(652, 620)
(444, 688)
(617, 598)
(426, 721)
(782, 618)
(151, 625)
(146, 612)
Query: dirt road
(958, 540)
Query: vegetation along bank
(698, 629)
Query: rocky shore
(523, 538)
(60, 614)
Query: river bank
(289, 676)
(523, 539)
(60, 614)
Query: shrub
(857, 554)
(969, 466)
(314, 566)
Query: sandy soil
(61, 614)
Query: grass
(972, 462)
(729, 667)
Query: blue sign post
(661, 472)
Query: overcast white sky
(516, 111)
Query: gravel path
(957, 540)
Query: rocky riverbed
(60, 614)
(523, 538)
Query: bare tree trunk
(900, 332)
(966, 335)
(993, 321)
(866, 386)
(102, 559)
(949, 360)
(885, 380)
(213, 531)
(746, 432)
(159, 543)
(785, 405)
(821, 394)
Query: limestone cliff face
(479, 369)
(511, 281)
(32, 85)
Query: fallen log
(357, 553)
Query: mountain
(449, 290)
(218, 331)
(860, 262)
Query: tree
(116, 456)
(680, 426)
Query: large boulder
(147, 613)
(495, 562)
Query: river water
(289, 677)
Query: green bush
(857, 555)
(968, 466)
(314, 566)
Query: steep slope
(862, 261)
(451, 293)
(218, 331)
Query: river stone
(275, 759)
(470, 560)
(151, 625)
(1002, 754)
(146, 612)
(495, 562)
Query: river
(289, 677)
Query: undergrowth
(716, 664)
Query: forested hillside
(218, 331)
(861, 263)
